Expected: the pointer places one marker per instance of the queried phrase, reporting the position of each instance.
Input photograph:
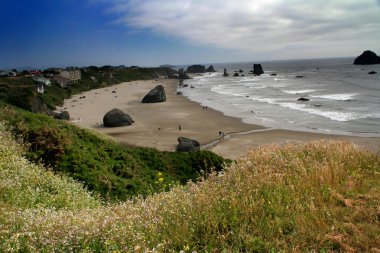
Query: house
(72, 75)
(3, 74)
(43, 80)
(63, 82)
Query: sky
(59, 33)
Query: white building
(43, 80)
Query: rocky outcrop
(64, 115)
(372, 72)
(187, 145)
(196, 69)
(210, 69)
(366, 58)
(236, 74)
(156, 95)
(225, 73)
(182, 74)
(117, 118)
(303, 99)
(258, 69)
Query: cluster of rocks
(193, 69)
(257, 70)
(199, 69)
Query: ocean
(343, 98)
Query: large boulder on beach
(210, 69)
(117, 118)
(196, 69)
(63, 115)
(366, 58)
(258, 69)
(187, 145)
(156, 95)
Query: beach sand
(157, 125)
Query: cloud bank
(279, 27)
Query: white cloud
(260, 25)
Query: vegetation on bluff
(317, 197)
(22, 91)
(105, 167)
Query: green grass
(114, 171)
(316, 197)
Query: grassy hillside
(112, 170)
(26, 185)
(317, 197)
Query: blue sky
(47, 33)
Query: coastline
(157, 125)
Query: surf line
(229, 135)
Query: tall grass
(26, 185)
(316, 197)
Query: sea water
(343, 98)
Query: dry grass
(317, 197)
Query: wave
(226, 90)
(330, 114)
(340, 97)
(298, 91)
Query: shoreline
(159, 125)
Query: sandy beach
(159, 125)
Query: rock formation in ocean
(303, 99)
(196, 69)
(372, 72)
(366, 58)
(117, 118)
(187, 145)
(155, 95)
(241, 71)
(182, 74)
(225, 73)
(258, 69)
(210, 69)
(63, 115)
(236, 74)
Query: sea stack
(196, 69)
(366, 58)
(258, 69)
(210, 69)
(225, 73)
